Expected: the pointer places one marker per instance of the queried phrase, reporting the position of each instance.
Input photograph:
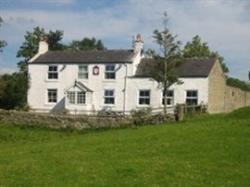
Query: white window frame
(83, 74)
(110, 72)
(83, 97)
(76, 98)
(109, 97)
(144, 97)
(192, 97)
(52, 72)
(48, 96)
(169, 98)
(71, 97)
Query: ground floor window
(144, 97)
(81, 97)
(192, 97)
(76, 97)
(109, 97)
(52, 95)
(71, 97)
(169, 97)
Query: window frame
(68, 97)
(171, 98)
(108, 72)
(52, 72)
(85, 73)
(192, 97)
(78, 98)
(51, 101)
(144, 97)
(109, 97)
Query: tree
(2, 42)
(13, 91)
(197, 48)
(86, 44)
(30, 46)
(238, 83)
(164, 69)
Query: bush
(141, 116)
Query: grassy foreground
(206, 151)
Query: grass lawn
(205, 151)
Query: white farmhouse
(91, 81)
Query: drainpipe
(124, 89)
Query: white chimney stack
(138, 43)
(43, 46)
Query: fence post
(180, 112)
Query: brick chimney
(43, 45)
(138, 43)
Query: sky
(223, 24)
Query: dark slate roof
(109, 56)
(192, 67)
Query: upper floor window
(53, 72)
(110, 71)
(144, 97)
(52, 95)
(109, 97)
(169, 97)
(192, 97)
(83, 72)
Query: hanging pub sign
(95, 70)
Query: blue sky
(224, 24)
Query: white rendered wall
(199, 84)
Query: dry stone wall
(79, 122)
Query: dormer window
(53, 72)
(110, 71)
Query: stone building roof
(192, 67)
(104, 56)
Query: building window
(81, 97)
(71, 97)
(83, 72)
(53, 72)
(76, 97)
(110, 71)
(109, 97)
(144, 97)
(192, 97)
(170, 97)
(52, 95)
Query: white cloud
(224, 24)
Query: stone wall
(216, 89)
(224, 98)
(236, 98)
(56, 121)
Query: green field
(203, 151)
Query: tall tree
(166, 62)
(86, 44)
(197, 48)
(30, 46)
(2, 42)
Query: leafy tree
(13, 90)
(164, 69)
(30, 46)
(197, 48)
(86, 44)
(2, 42)
(238, 83)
